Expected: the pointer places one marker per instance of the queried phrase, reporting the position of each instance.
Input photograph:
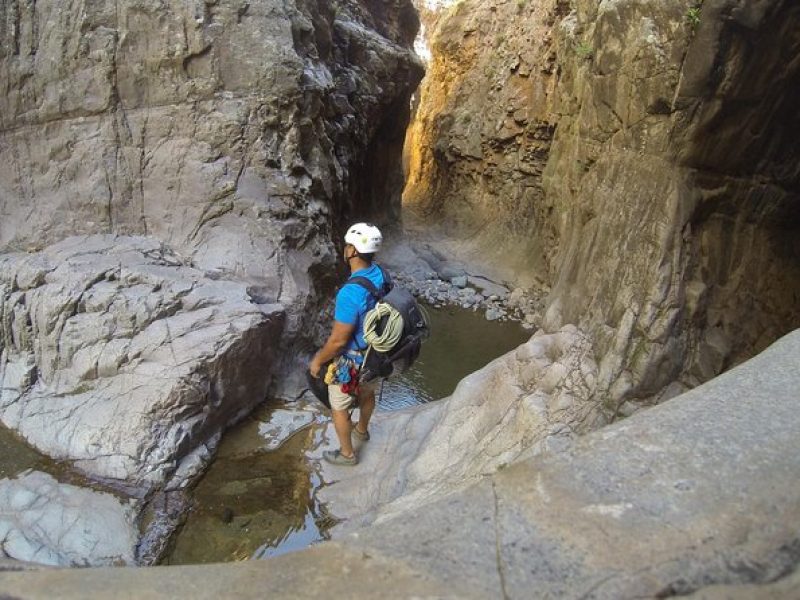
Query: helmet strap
(356, 255)
(347, 259)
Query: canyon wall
(174, 178)
(481, 135)
(636, 158)
(235, 132)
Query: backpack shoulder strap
(367, 285)
(387, 280)
(378, 294)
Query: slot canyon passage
(612, 188)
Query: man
(346, 343)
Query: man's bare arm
(340, 335)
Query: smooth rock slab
(47, 522)
(118, 357)
(698, 491)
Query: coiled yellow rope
(391, 333)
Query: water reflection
(253, 501)
(296, 538)
(17, 456)
(462, 341)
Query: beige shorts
(341, 401)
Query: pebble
(520, 305)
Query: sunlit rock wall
(634, 156)
(480, 138)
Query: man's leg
(340, 404)
(341, 422)
(366, 404)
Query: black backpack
(415, 330)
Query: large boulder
(50, 523)
(117, 357)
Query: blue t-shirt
(353, 302)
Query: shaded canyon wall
(636, 157)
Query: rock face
(64, 525)
(120, 359)
(698, 491)
(206, 155)
(677, 252)
(238, 133)
(634, 156)
(480, 138)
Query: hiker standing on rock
(346, 345)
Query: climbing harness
(343, 371)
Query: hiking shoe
(364, 437)
(335, 457)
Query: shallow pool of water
(16, 456)
(253, 501)
(257, 501)
(461, 342)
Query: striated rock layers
(638, 157)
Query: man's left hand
(314, 367)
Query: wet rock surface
(120, 359)
(56, 524)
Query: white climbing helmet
(366, 238)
